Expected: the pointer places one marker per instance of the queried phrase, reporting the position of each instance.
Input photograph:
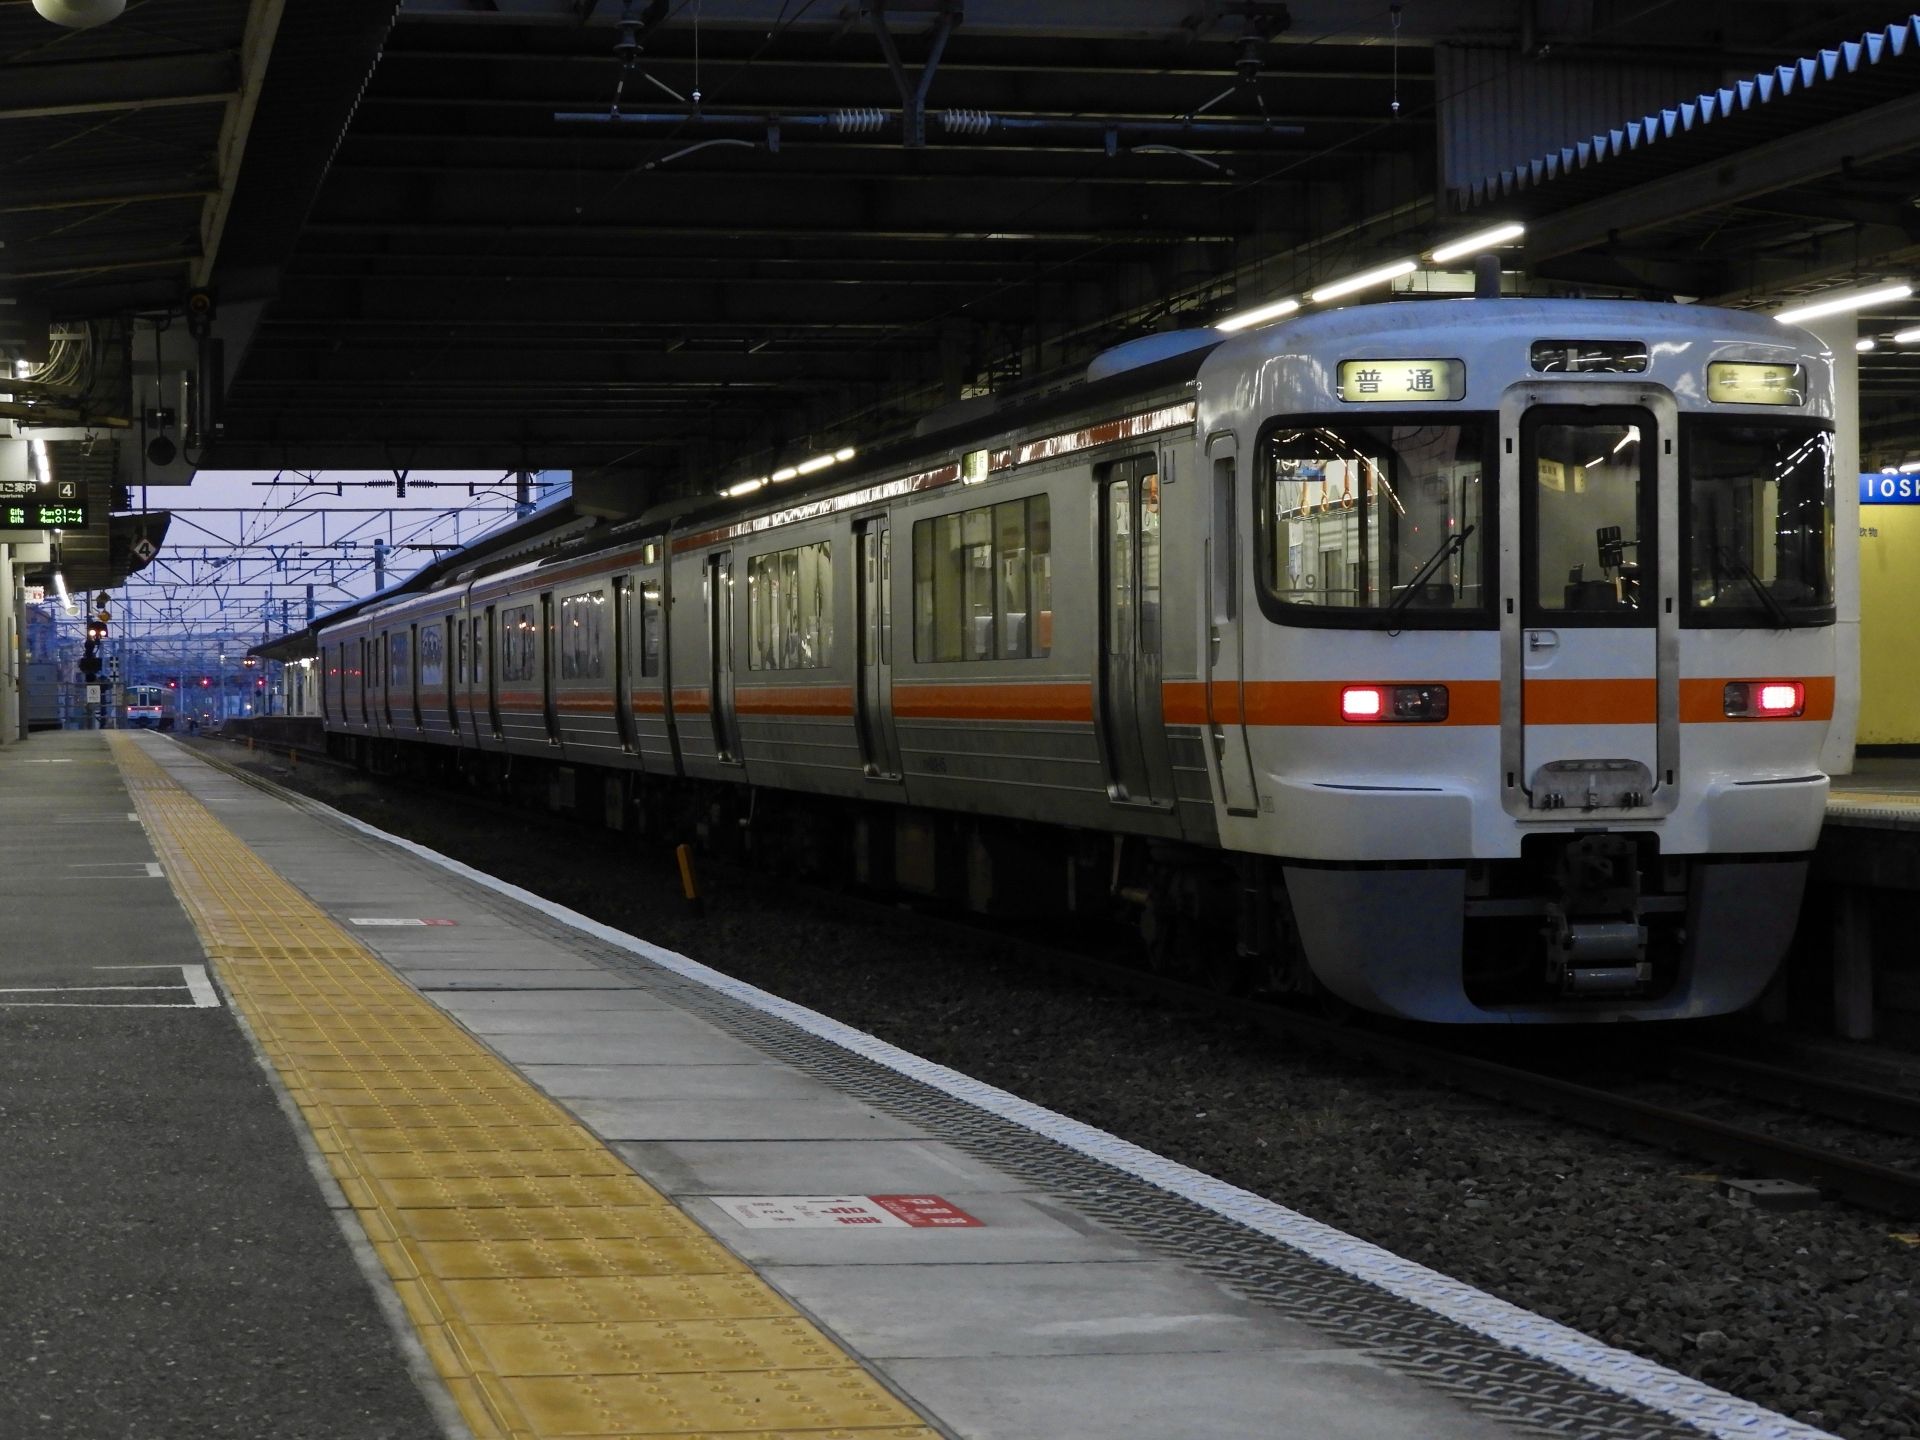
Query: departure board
(43, 515)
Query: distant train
(148, 707)
(1470, 659)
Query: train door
(873, 715)
(726, 732)
(383, 660)
(623, 661)
(549, 668)
(413, 674)
(486, 662)
(453, 642)
(1592, 664)
(1132, 727)
(1226, 655)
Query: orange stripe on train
(1066, 702)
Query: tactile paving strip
(557, 1292)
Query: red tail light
(1362, 702)
(1765, 699)
(1402, 704)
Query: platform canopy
(669, 242)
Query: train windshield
(1758, 497)
(1380, 524)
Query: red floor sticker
(924, 1210)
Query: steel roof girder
(1783, 163)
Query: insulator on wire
(859, 122)
(967, 122)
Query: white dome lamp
(80, 14)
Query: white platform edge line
(1698, 1404)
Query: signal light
(1398, 704)
(1764, 699)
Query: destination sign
(43, 514)
(1400, 381)
(1731, 383)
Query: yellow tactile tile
(649, 1347)
(557, 1292)
(717, 1402)
(612, 1222)
(585, 1300)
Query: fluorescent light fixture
(783, 474)
(845, 452)
(21, 369)
(60, 586)
(1633, 434)
(1864, 345)
(1363, 280)
(745, 487)
(1259, 315)
(1853, 300)
(1474, 244)
(42, 466)
(818, 462)
(1910, 467)
(1906, 337)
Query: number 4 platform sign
(845, 1212)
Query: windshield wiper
(1744, 571)
(1434, 562)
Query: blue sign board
(1890, 488)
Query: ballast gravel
(1815, 1313)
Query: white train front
(1470, 659)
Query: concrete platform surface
(1021, 1276)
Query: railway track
(1842, 1176)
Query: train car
(1470, 660)
(148, 707)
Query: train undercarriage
(1583, 925)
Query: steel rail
(1844, 1100)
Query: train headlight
(1394, 704)
(1765, 699)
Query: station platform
(382, 1146)
(1882, 791)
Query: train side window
(432, 670)
(479, 652)
(460, 652)
(790, 608)
(583, 636)
(399, 657)
(517, 630)
(650, 629)
(983, 583)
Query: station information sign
(36, 514)
(1890, 488)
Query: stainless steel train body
(1478, 654)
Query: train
(1468, 661)
(148, 707)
